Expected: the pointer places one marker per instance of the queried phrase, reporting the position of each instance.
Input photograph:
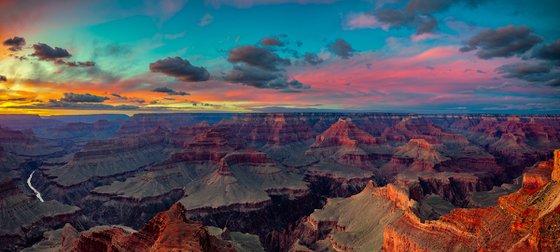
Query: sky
(417, 56)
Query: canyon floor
(280, 182)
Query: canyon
(280, 182)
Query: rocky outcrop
(101, 162)
(343, 133)
(528, 220)
(168, 231)
(82, 131)
(270, 129)
(210, 145)
(355, 223)
(556, 167)
(25, 144)
(63, 239)
(418, 155)
(147, 122)
(344, 142)
(244, 181)
(25, 218)
(453, 187)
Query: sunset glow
(77, 57)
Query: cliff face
(386, 218)
(528, 220)
(270, 129)
(556, 170)
(102, 161)
(243, 181)
(345, 143)
(24, 217)
(209, 145)
(168, 231)
(418, 155)
(147, 122)
(355, 223)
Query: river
(37, 193)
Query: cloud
(532, 72)
(19, 99)
(85, 106)
(548, 52)
(14, 44)
(505, 41)
(257, 57)
(312, 58)
(3, 78)
(426, 24)
(181, 69)
(79, 98)
(362, 21)
(118, 96)
(419, 14)
(271, 41)
(342, 49)
(47, 53)
(57, 55)
(130, 99)
(169, 91)
(76, 64)
(206, 20)
(434, 6)
(261, 68)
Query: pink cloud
(436, 76)
(362, 21)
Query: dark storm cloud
(14, 44)
(548, 52)
(419, 13)
(271, 41)
(181, 69)
(502, 42)
(532, 72)
(312, 58)
(45, 52)
(77, 98)
(3, 78)
(261, 68)
(342, 49)
(169, 91)
(257, 57)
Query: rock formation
(24, 217)
(345, 143)
(418, 155)
(528, 220)
(243, 181)
(168, 231)
(355, 223)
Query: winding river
(37, 193)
